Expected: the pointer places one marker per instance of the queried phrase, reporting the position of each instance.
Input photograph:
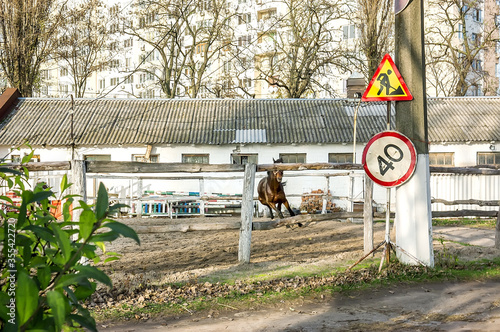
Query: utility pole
(413, 206)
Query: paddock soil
(199, 256)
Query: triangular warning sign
(387, 83)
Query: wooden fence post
(138, 206)
(246, 214)
(497, 231)
(368, 216)
(79, 187)
(202, 192)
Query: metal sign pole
(387, 251)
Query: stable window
(293, 157)
(195, 158)
(97, 157)
(340, 158)
(15, 158)
(488, 158)
(241, 159)
(142, 158)
(441, 159)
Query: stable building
(463, 131)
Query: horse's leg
(270, 212)
(272, 206)
(270, 209)
(288, 208)
(278, 209)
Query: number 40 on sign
(389, 158)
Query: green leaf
(84, 205)
(64, 183)
(85, 321)
(83, 292)
(94, 273)
(123, 229)
(23, 212)
(70, 279)
(101, 246)
(26, 296)
(38, 261)
(41, 232)
(40, 196)
(44, 275)
(116, 207)
(63, 242)
(27, 157)
(102, 202)
(110, 259)
(6, 170)
(105, 237)
(87, 221)
(57, 303)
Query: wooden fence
(79, 169)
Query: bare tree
(28, 34)
(84, 44)
(185, 37)
(375, 21)
(455, 45)
(296, 50)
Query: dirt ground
(192, 256)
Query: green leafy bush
(45, 275)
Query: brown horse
(271, 193)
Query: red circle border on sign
(413, 161)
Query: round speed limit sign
(389, 158)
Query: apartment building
(160, 55)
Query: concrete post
(413, 205)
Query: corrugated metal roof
(225, 121)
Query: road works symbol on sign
(389, 158)
(387, 83)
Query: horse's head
(278, 175)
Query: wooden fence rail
(80, 168)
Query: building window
(245, 83)
(340, 158)
(241, 159)
(244, 40)
(97, 157)
(15, 158)
(477, 15)
(244, 18)
(142, 158)
(195, 158)
(63, 88)
(441, 159)
(460, 32)
(349, 31)
(293, 157)
(200, 48)
(128, 42)
(488, 158)
(263, 15)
